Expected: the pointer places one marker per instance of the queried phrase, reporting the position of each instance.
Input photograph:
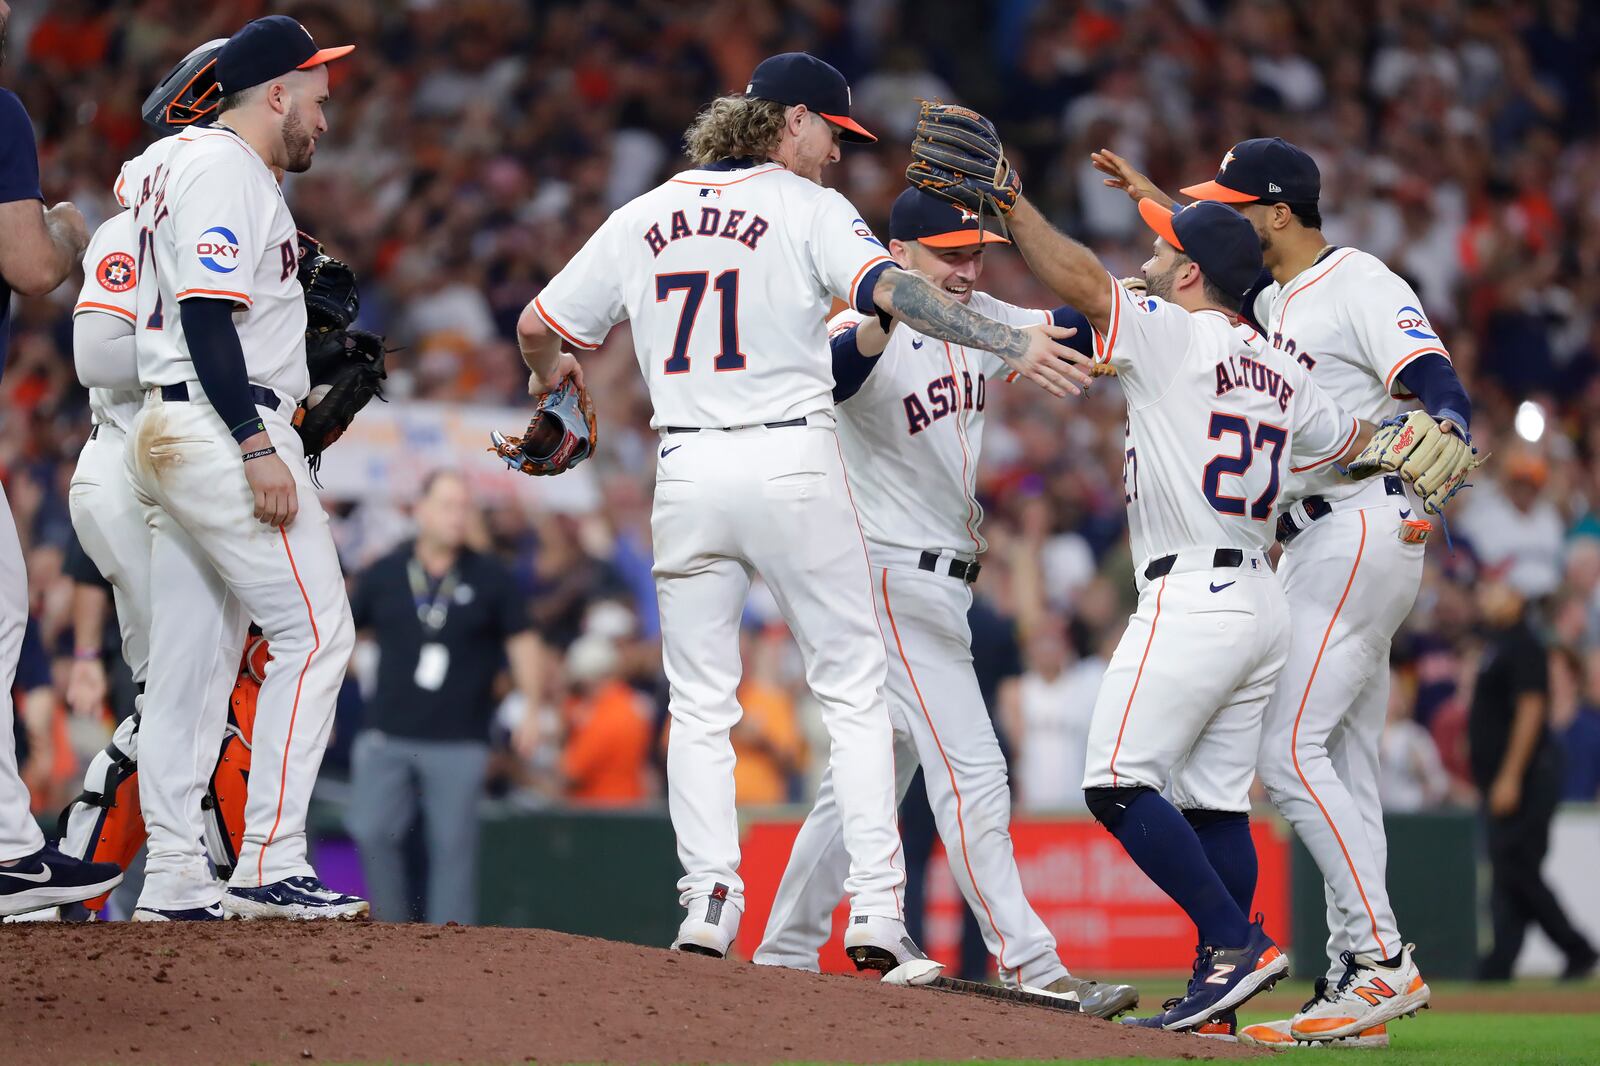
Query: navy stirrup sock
(1169, 851)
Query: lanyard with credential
(431, 611)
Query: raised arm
(1031, 352)
(1069, 269)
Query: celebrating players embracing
(911, 416)
(726, 272)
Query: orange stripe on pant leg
(1294, 737)
(1142, 659)
(294, 709)
(961, 825)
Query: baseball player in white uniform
(911, 413)
(38, 254)
(726, 272)
(1215, 422)
(1352, 563)
(220, 471)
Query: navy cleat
(1228, 977)
(212, 913)
(47, 878)
(295, 898)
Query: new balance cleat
(1369, 995)
(293, 898)
(1228, 977)
(1275, 1035)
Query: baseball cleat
(212, 913)
(711, 927)
(1224, 1027)
(1155, 1021)
(882, 944)
(47, 878)
(1224, 978)
(1369, 994)
(1275, 1035)
(294, 898)
(1100, 1000)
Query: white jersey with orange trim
(1352, 575)
(1216, 422)
(213, 224)
(727, 277)
(1354, 324)
(110, 280)
(912, 432)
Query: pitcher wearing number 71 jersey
(726, 273)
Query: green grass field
(1451, 1035)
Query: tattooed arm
(1066, 267)
(1033, 352)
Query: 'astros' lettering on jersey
(1354, 324)
(1216, 421)
(727, 277)
(213, 225)
(912, 432)
(110, 280)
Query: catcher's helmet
(189, 94)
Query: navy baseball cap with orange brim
(1265, 170)
(1221, 241)
(269, 48)
(921, 216)
(801, 78)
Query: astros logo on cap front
(218, 250)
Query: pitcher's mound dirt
(279, 992)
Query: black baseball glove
(957, 155)
(347, 371)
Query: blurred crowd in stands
(475, 144)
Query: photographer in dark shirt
(1517, 768)
(445, 619)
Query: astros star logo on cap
(1226, 160)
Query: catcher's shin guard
(105, 822)
(224, 801)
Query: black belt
(959, 569)
(786, 424)
(260, 395)
(1221, 557)
(1318, 508)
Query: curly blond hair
(735, 127)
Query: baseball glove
(1435, 461)
(561, 434)
(347, 371)
(957, 155)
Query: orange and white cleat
(1275, 1035)
(1369, 995)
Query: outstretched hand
(1120, 174)
(1051, 365)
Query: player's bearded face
(1161, 273)
(298, 144)
(816, 145)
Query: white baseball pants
(774, 502)
(228, 568)
(19, 833)
(110, 524)
(1183, 697)
(940, 722)
(1351, 582)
